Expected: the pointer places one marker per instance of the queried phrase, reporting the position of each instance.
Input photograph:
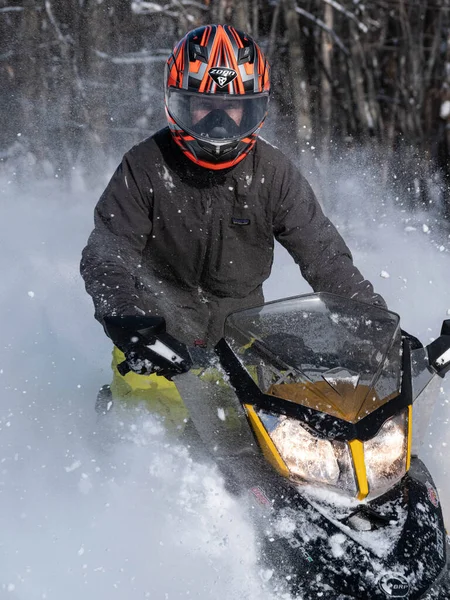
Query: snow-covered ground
(138, 519)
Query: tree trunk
(326, 95)
(241, 14)
(298, 89)
(98, 75)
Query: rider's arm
(313, 241)
(111, 259)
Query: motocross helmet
(216, 95)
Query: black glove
(147, 347)
(414, 342)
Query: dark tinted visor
(217, 116)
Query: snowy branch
(134, 58)
(11, 9)
(348, 14)
(322, 25)
(141, 7)
(188, 17)
(195, 5)
(66, 40)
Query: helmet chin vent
(217, 150)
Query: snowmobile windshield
(333, 354)
(217, 117)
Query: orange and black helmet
(216, 94)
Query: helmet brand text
(222, 76)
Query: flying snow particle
(81, 551)
(31, 294)
(425, 228)
(167, 178)
(384, 274)
(75, 465)
(444, 111)
(221, 414)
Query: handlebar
(199, 356)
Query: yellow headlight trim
(357, 448)
(267, 446)
(408, 451)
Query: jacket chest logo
(238, 221)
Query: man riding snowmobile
(186, 227)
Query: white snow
(85, 503)
(337, 543)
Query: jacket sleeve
(111, 259)
(314, 243)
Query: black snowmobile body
(326, 552)
(322, 447)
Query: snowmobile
(318, 428)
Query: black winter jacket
(192, 245)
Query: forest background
(82, 80)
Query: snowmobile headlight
(357, 468)
(303, 456)
(306, 456)
(385, 455)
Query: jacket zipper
(205, 258)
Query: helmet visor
(217, 116)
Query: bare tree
(82, 77)
(299, 86)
